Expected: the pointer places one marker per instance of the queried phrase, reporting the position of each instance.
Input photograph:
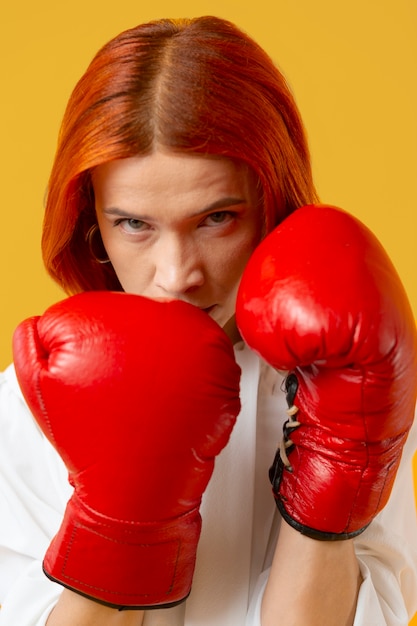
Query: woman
(181, 147)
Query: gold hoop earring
(89, 239)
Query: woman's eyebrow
(222, 203)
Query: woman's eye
(131, 225)
(220, 217)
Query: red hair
(199, 86)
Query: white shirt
(240, 521)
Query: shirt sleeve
(387, 555)
(30, 514)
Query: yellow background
(352, 67)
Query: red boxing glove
(320, 299)
(138, 397)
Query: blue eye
(135, 224)
(131, 225)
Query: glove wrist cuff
(121, 564)
(313, 533)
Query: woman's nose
(178, 267)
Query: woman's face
(179, 226)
